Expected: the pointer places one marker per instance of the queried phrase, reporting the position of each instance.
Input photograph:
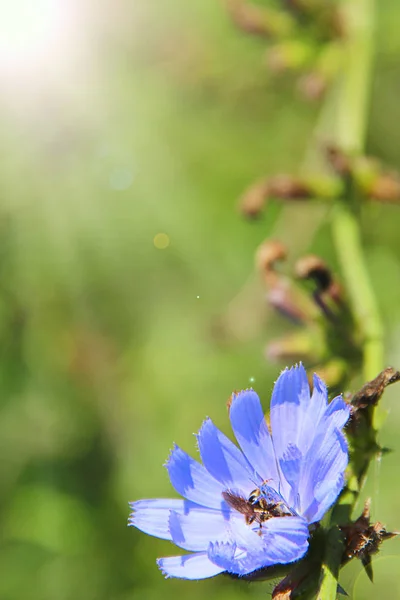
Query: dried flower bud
(371, 392)
(253, 199)
(363, 539)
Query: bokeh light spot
(121, 179)
(161, 241)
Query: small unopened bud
(269, 253)
(338, 160)
(288, 187)
(253, 200)
(281, 294)
(312, 86)
(386, 188)
(258, 21)
(283, 299)
(290, 55)
(313, 267)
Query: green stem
(330, 567)
(347, 239)
(352, 111)
(352, 120)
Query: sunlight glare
(33, 35)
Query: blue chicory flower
(287, 480)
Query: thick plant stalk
(352, 110)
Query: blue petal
(323, 471)
(251, 431)
(195, 529)
(326, 496)
(291, 421)
(319, 399)
(338, 411)
(192, 480)
(223, 459)
(282, 540)
(290, 465)
(152, 516)
(191, 566)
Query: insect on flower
(257, 507)
(249, 508)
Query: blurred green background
(120, 121)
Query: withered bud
(291, 54)
(281, 296)
(251, 19)
(362, 539)
(253, 200)
(312, 86)
(287, 587)
(338, 160)
(371, 392)
(269, 253)
(276, 60)
(288, 187)
(386, 188)
(338, 24)
(313, 267)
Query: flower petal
(283, 540)
(195, 529)
(223, 459)
(191, 566)
(192, 480)
(339, 412)
(152, 516)
(251, 431)
(292, 424)
(323, 472)
(319, 399)
(290, 406)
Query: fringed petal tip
(174, 448)
(320, 386)
(189, 566)
(160, 562)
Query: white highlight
(33, 35)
